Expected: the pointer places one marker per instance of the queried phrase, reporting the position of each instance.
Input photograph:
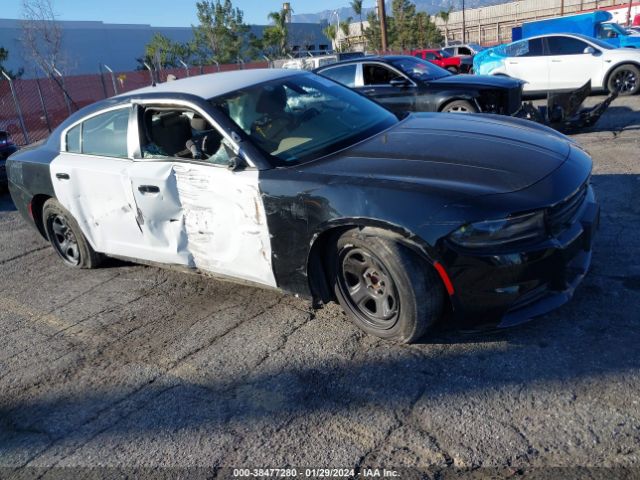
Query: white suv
(564, 61)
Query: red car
(444, 60)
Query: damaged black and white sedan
(289, 180)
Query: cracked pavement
(133, 366)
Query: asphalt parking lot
(132, 366)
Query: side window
(463, 51)
(106, 134)
(73, 139)
(172, 133)
(377, 74)
(430, 56)
(346, 74)
(525, 48)
(419, 55)
(565, 46)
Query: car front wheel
(384, 287)
(66, 237)
(625, 79)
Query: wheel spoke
(58, 227)
(359, 294)
(72, 251)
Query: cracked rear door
(199, 213)
(90, 179)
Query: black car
(410, 84)
(7, 147)
(288, 180)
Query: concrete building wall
(87, 44)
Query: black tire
(453, 70)
(66, 238)
(625, 79)
(459, 106)
(384, 287)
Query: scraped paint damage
(204, 217)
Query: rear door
(570, 65)
(90, 179)
(376, 83)
(526, 60)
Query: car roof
(561, 34)
(367, 58)
(215, 84)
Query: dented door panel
(205, 217)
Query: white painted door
(203, 216)
(90, 179)
(527, 62)
(570, 65)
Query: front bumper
(506, 288)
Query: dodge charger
(289, 180)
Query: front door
(197, 212)
(571, 62)
(377, 79)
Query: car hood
(477, 81)
(457, 154)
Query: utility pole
(464, 26)
(562, 8)
(629, 13)
(382, 14)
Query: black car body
(498, 226)
(409, 84)
(7, 147)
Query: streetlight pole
(464, 25)
(383, 24)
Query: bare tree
(42, 35)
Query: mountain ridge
(430, 6)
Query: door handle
(513, 63)
(369, 90)
(148, 189)
(62, 176)
(556, 61)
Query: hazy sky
(165, 13)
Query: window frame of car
(549, 53)
(411, 84)
(80, 122)
(233, 140)
(357, 77)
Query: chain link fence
(31, 108)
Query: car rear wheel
(625, 79)
(459, 106)
(385, 288)
(453, 70)
(66, 237)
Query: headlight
(500, 232)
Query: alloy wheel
(368, 288)
(625, 81)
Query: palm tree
(331, 33)
(444, 15)
(279, 20)
(356, 6)
(344, 26)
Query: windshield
(419, 69)
(619, 29)
(303, 117)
